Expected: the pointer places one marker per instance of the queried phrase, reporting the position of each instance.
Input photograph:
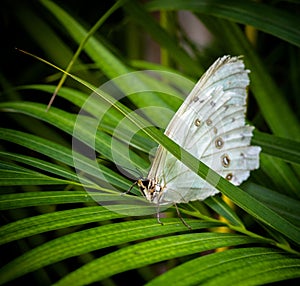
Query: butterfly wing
(210, 124)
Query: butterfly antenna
(136, 172)
(181, 218)
(139, 172)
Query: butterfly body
(210, 125)
(151, 188)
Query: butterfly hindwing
(210, 124)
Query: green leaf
(286, 206)
(84, 132)
(10, 175)
(53, 221)
(139, 15)
(44, 35)
(106, 61)
(220, 207)
(99, 237)
(20, 200)
(149, 252)
(41, 164)
(245, 266)
(281, 174)
(62, 154)
(285, 149)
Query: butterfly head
(151, 189)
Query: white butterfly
(210, 124)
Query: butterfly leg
(181, 218)
(158, 219)
(157, 215)
(129, 190)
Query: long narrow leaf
(285, 149)
(61, 154)
(281, 174)
(221, 208)
(93, 239)
(245, 266)
(282, 204)
(150, 252)
(53, 221)
(10, 176)
(20, 200)
(41, 164)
